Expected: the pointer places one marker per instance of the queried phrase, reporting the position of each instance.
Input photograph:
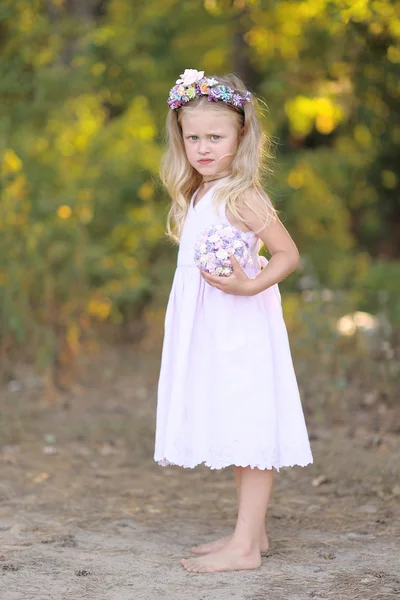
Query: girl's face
(211, 139)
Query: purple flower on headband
(237, 100)
(215, 94)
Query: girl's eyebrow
(213, 133)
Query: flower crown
(192, 84)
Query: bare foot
(221, 542)
(229, 558)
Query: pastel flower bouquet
(215, 246)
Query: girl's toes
(196, 569)
(203, 570)
(185, 562)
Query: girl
(227, 392)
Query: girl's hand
(238, 283)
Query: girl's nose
(203, 147)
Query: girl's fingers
(211, 278)
(225, 284)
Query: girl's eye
(214, 137)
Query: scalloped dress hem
(164, 462)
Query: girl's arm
(284, 259)
(285, 256)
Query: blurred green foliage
(83, 87)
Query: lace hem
(164, 462)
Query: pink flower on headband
(190, 76)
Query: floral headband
(192, 84)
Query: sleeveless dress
(227, 391)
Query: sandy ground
(86, 514)
(124, 560)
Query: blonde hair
(251, 161)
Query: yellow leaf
(146, 191)
(64, 211)
(393, 54)
(11, 162)
(98, 68)
(72, 336)
(295, 179)
(324, 123)
(85, 214)
(389, 179)
(99, 308)
(362, 135)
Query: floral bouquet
(215, 246)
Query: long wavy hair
(251, 162)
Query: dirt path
(86, 514)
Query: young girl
(227, 391)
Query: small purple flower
(237, 100)
(174, 103)
(239, 252)
(247, 96)
(215, 94)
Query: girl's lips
(205, 160)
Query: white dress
(227, 391)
